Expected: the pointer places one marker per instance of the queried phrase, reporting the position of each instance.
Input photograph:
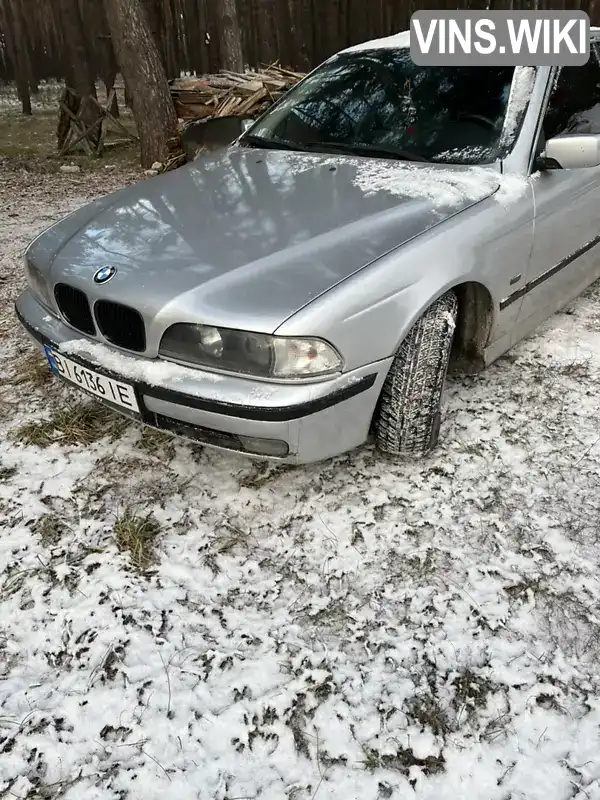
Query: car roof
(396, 42)
(401, 40)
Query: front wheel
(408, 417)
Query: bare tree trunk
(145, 78)
(79, 77)
(169, 60)
(22, 37)
(110, 85)
(152, 13)
(231, 40)
(105, 56)
(10, 21)
(30, 27)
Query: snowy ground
(179, 623)
(46, 96)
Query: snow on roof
(395, 42)
(398, 41)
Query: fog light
(264, 447)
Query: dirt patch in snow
(178, 622)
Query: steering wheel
(485, 122)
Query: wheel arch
(473, 324)
(473, 327)
(474, 321)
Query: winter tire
(408, 418)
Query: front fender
(367, 316)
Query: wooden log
(79, 124)
(246, 93)
(252, 101)
(83, 137)
(193, 111)
(106, 113)
(63, 129)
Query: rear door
(565, 257)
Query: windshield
(378, 102)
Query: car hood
(247, 237)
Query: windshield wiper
(271, 144)
(375, 150)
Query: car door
(565, 256)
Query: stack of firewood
(231, 93)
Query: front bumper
(315, 420)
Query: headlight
(38, 285)
(249, 353)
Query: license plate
(117, 392)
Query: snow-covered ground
(354, 630)
(46, 96)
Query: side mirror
(576, 151)
(206, 135)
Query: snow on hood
(395, 42)
(443, 187)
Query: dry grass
(79, 424)
(426, 711)
(446, 713)
(33, 369)
(29, 137)
(403, 761)
(50, 528)
(156, 443)
(34, 138)
(136, 535)
(578, 369)
(6, 473)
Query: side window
(574, 105)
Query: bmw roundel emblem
(104, 274)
